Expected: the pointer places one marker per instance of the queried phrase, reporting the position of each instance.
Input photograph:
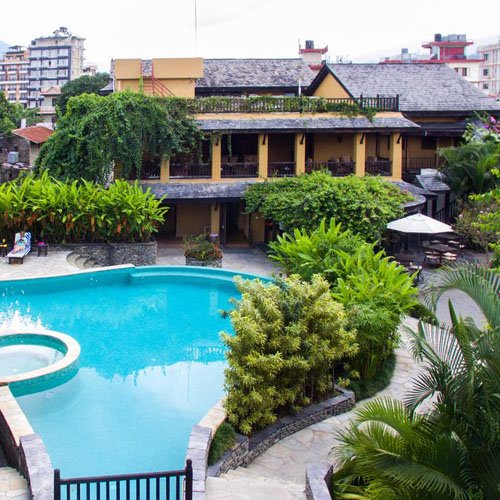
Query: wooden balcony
(272, 104)
(239, 170)
(281, 169)
(336, 168)
(378, 167)
(190, 171)
(416, 164)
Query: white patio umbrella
(419, 224)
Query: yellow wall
(329, 87)
(327, 146)
(263, 147)
(359, 154)
(396, 156)
(300, 153)
(181, 67)
(193, 219)
(127, 69)
(414, 149)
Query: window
(485, 86)
(486, 56)
(429, 143)
(465, 71)
(486, 72)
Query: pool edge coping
(70, 357)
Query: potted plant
(201, 251)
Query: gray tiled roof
(432, 180)
(199, 191)
(418, 193)
(421, 87)
(307, 124)
(254, 73)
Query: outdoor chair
(22, 247)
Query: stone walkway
(285, 463)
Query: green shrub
(287, 336)
(201, 248)
(374, 290)
(223, 440)
(362, 204)
(420, 311)
(78, 212)
(366, 388)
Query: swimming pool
(151, 363)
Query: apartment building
(490, 68)
(54, 60)
(445, 49)
(256, 128)
(14, 74)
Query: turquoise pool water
(151, 363)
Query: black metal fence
(191, 170)
(167, 485)
(281, 169)
(234, 170)
(378, 167)
(336, 168)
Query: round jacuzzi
(31, 362)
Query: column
(165, 170)
(396, 156)
(214, 218)
(216, 157)
(300, 153)
(359, 153)
(263, 155)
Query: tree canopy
(84, 85)
(121, 128)
(363, 205)
(11, 115)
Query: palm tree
(451, 451)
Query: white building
(14, 75)
(490, 68)
(54, 61)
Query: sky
(361, 30)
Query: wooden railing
(146, 486)
(336, 168)
(234, 170)
(271, 104)
(416, 164)
(378, 167)
(190, 170)
(281, 169)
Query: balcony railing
(281, 169)
(271, 104)
(416, 164)
(336, 168)
(191, 170)
(378, 167)
(234, 170)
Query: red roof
(34, 134)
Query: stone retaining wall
(113, 254)
(248, 449)
(24, 450)
(318, 480)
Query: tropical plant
(201, 248)
(362, 204)
(374, 290)
(86, 84)
(469, 167)
(78, 212)
(452, 450)
(98, 134)
(287, 336)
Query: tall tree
(11, 115)
(121, 128)
(84, 85)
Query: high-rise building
(490, 68)
(54, 60)
(14, 74)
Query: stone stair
(12, 485)
(81, 261)
(245, 484)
